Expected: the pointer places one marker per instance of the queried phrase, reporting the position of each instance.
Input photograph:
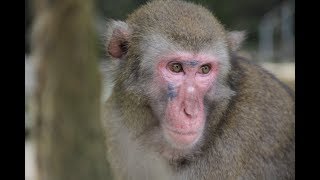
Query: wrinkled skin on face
(184, 116)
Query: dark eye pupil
(176, 67)
(205, 69)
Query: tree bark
(68, 133)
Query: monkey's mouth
(181, 139)
(182, 133)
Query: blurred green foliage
(234, 14)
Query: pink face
(186, 78)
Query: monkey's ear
(235, 39)
(117, 39)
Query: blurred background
(270, 40)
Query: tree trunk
(68, 132)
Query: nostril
(189, 115)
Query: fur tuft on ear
(235, 39)
(117, 39)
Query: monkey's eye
(205, 69)
(175, 67)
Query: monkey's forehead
(177, 20)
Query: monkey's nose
(191, 110)
(191, 106)
(188, 115)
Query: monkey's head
(174, 59)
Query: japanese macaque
(185, 106)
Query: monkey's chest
(139, 164)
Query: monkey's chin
(181, 140)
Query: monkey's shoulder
(259, 94)
(254, 79)
(262, 112)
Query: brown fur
(248, 135)
(180, 21)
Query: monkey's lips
(181, 139)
